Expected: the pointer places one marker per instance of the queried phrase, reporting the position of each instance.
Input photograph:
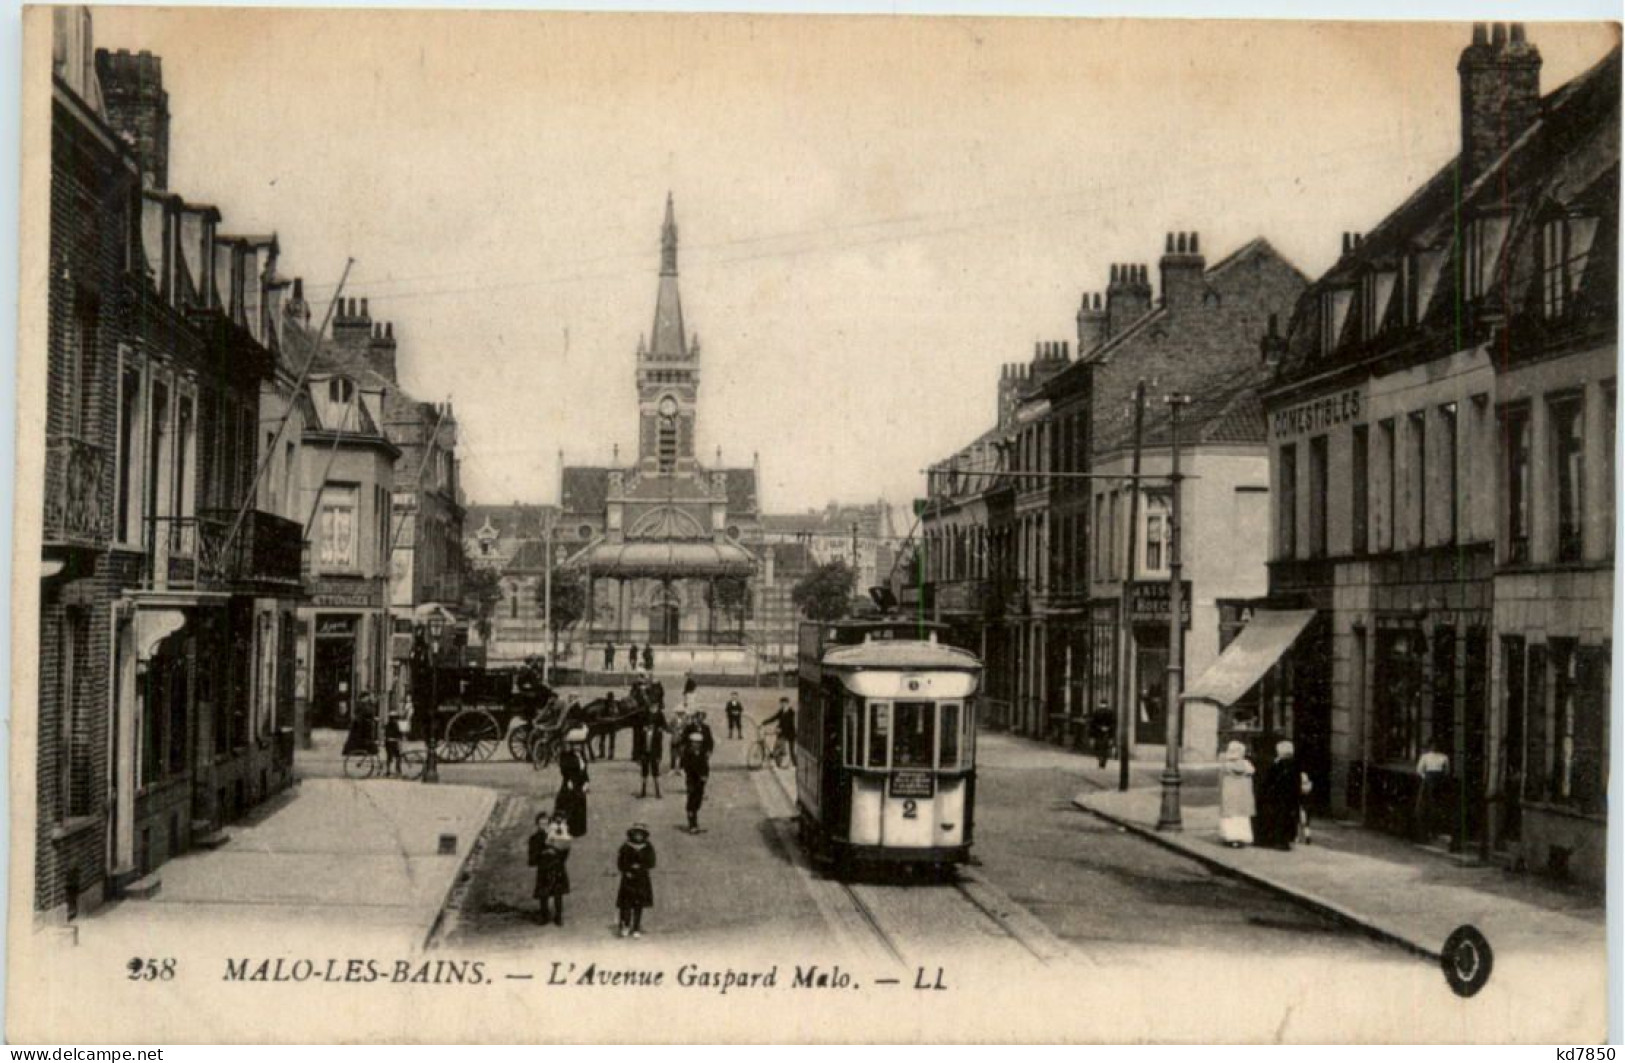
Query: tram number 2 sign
(913, 784)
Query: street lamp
(436, 627)
(1169, 818)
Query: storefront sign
(1315, 415)
(1148, 601)
(343, 594)
(335, 625)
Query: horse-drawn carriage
(482, 709)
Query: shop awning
(1243, 663)
(665, 560)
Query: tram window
(914, 737)
(852, 736)
(948, 750)
(879, 728)
(970, 734)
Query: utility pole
(1169, 818)
(1125, 652)
(547, 605)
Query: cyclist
(785, 720)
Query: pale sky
(875, 212)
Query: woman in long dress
(1236, 804)
(573, 785)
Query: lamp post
(547, 604)
(431, 766)
(1169, 818)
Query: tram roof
(900, 654)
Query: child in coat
(635, 860)
(552, 876)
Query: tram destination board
(913, 784)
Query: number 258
(150, 970)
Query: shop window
(1397, 695)
(1568, 461)
(1360, 490)
(1538, 738)
(1441, 725)
(1515, 457)
(1576, 727)
(1514, 714)
(1286, 532)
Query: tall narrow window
(667, 444)
(1609, 415)
(336, 529)
(1360, 489)
(1568, 460)
(1156, 534)
(1515, 456)
(129, 507)
(1565, 245)
(1449, 469)
(1286, 532)
(1417, 474)
(1390, 483)
(1317, 496)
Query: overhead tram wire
(1193, 191)
(293, 401)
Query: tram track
(910, 923)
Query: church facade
(666, 545)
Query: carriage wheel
(477, 731)
(519, 742)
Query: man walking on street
(696, 770)
(609, 656)
(650, 748)
(735, 712)
(1102, 724)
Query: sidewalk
(1398, 891)
(353, 863)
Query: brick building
(1027, 559)
(95, 193)
(157, 559)
(1442, 438)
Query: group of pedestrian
(1264, 810)
(633, 656)
(549, 845)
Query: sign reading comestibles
(1316, 414)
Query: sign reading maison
(1315, 415)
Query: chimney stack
(352, 325)
(1182, 266)
(1500, 94)
(1091, 323)
(138, 107)
(1128, 297)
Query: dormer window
(1334, 315)
(1483, 240)
(1565, 245)
(340, 390)
(1376, 296)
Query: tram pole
(1125, 651)
(1169, 818)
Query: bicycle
(365, 764)
(760, 751)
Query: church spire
(668, 242)
(667, 340)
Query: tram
(885, 743)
